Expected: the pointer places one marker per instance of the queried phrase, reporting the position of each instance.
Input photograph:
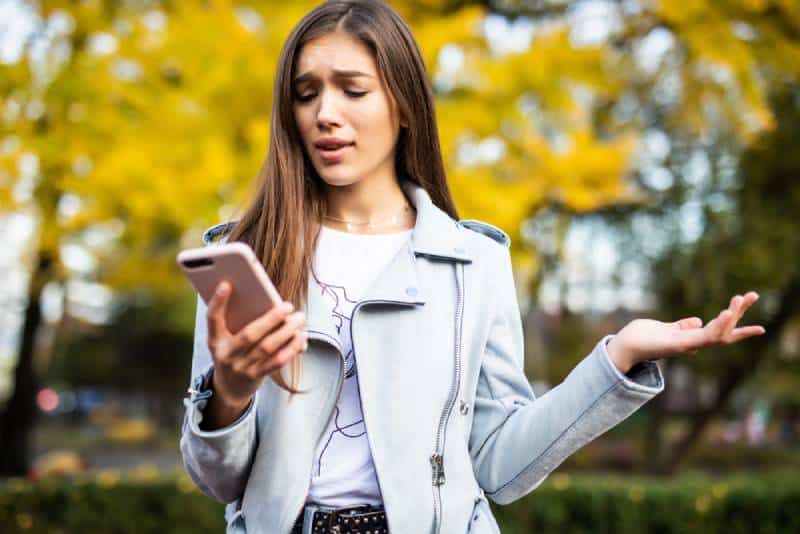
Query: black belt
(362, 519)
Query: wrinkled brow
(336, 74)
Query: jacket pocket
(482, 521)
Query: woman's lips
(333, 156)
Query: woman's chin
(337, 177)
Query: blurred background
(643, 155)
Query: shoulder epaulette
(487, 229)
(217, 232)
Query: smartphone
(253, 293)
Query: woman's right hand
(243, 359)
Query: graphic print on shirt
(348, 420)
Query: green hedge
(564, 504)
(742, 504)
(109, 503)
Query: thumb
(217, 309)
(688, 323)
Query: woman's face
(346, 117)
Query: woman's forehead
(335, 54)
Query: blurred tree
(749, 240)
(694, 81)
(126, 126)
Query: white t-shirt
(345, 264)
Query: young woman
(404, 405)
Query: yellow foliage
(172, 122)
(131, 430)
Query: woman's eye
(310, 96)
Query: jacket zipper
(437, 458)
(339, 384)
(339, 390)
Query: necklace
(370, 224)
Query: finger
(747, 301)
(292, 348)
(276, 339)
(715, 329)
(689, 323)
(740, 305)
(734, 308)
(254, 332)
(262, 350)
(745, 332)
(215, 314)
(734, 303)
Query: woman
(406, 405)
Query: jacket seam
(495, 431)
(610, 389)
(496, 314)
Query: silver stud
(463, 408)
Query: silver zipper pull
(437, 463)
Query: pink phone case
(253, 292)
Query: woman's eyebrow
(336, 74)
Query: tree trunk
(653, 443)
(18, 418)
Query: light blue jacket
(451, 418)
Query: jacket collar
(435, 235)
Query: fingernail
(305, 345)
(287, 306)
(296, 318)
(222, 288)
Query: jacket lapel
(435, 236)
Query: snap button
(463, 408)
(412, 291)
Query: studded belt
(362, 519)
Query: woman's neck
(380, 202)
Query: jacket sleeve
(517, 439)
(218, 461)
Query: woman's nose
(328, 113)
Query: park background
(643, 156)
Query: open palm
(644, 339)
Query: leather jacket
(451, 417)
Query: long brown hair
(282, 221)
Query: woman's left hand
(646, 339)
